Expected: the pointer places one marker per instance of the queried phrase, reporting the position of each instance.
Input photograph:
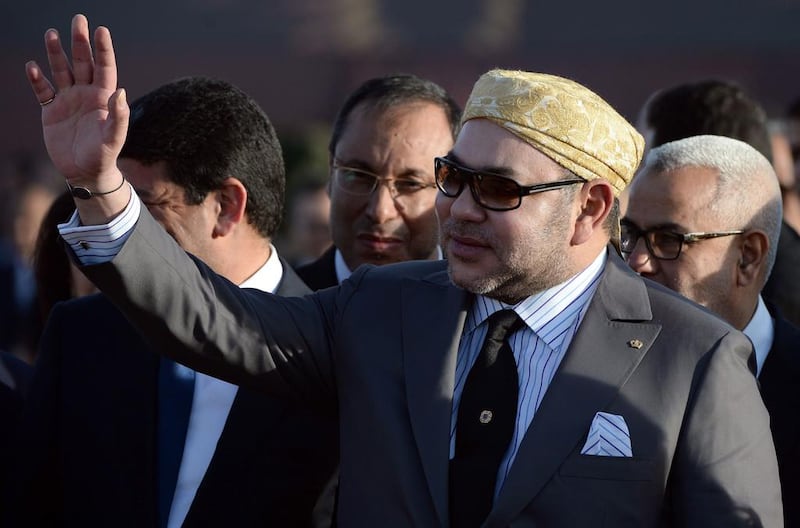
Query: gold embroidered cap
(564, 120)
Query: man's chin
(469, 278)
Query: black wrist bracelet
(84, 194)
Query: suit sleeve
(725, 472)
(277, 345)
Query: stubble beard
(520, 273)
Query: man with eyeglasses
(382, 189)
(530, 379)
(703, 219)
(723, 108)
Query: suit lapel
(322, 272)
(604, 352)
(246, 432)
(777, 381)
(131, 404)
(249, 432)
(291, 285)
(430, 346)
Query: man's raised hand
(84, 115)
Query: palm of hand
(76, 132)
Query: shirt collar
(761, 331)
(268, 276)
(342, 271)
(540, 308)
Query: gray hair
(747, 194)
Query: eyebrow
(366, 167)
(144, 194)
(148, 196)
(666, 226)
(497, 171)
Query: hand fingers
(105, 73)
(82, 61)
(59, 64)
(116, 126)
(39, 84)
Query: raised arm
(84, 117)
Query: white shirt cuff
(96, 244)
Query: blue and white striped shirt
(95, 244)
(551, 318)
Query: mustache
(464, 230)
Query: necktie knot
(502, 324)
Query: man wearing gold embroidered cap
(532, 379)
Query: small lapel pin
(485, 417)
(635, 343)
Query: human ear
(596, 203)
(231, 204)
(753, 250)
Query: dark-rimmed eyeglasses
(490, 191)
(361, 182)
(664, 244)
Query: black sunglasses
(490, 191)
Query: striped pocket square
(608, 436)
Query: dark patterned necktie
(485, 423)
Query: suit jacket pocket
(608, 468)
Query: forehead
(135, 169)
(148, 179)
(482, 144)
(681, 196)
(417, 124)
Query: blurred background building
(299, 58)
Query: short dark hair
(207, 130)
(382, 93)
(50, 262)
(716, 107)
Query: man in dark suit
(723, 108)
(704, 217)
(207, 163)
(381, 176)
(597, 396)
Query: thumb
(116, 127)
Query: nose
(382, 205)
(464, 207)
(640, 260)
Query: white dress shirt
(761, 331)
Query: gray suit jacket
(383, 346)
